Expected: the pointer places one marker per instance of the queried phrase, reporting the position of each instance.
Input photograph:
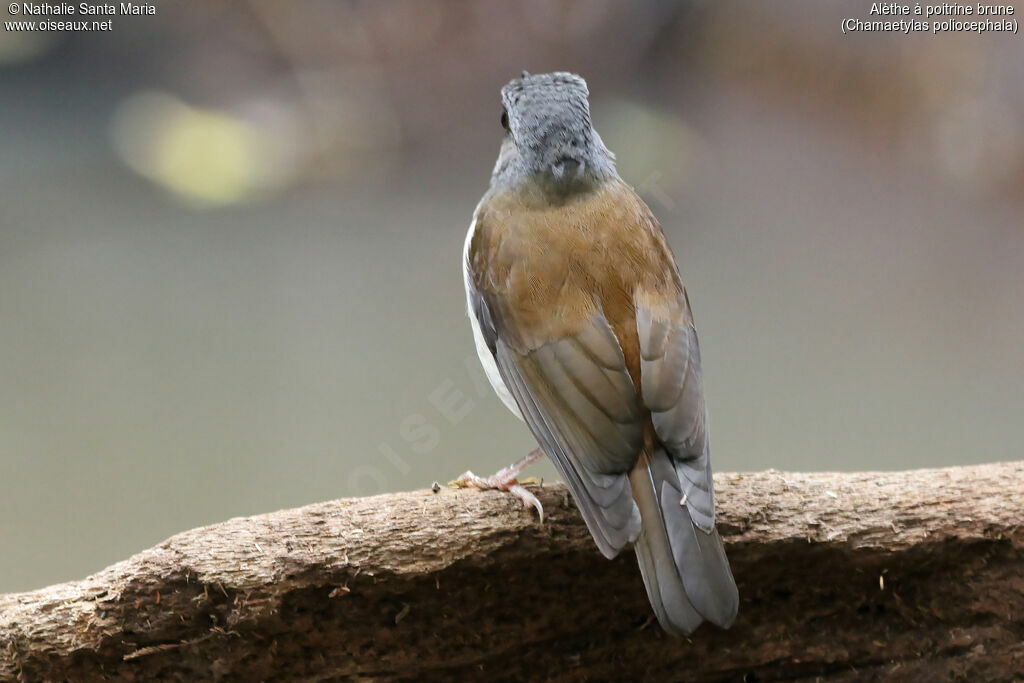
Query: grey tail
(685, 570)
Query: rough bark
(869, 576)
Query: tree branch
(912, 575)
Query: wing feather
(577, 397)
(604, 498)
(680, 553)
(673, 391)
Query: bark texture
(843, 576)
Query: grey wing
(672, 389)
(577, 397)
(681, 556)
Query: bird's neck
(539, 190)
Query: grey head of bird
(550, 143)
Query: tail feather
(685, 569)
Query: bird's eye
(504, 119)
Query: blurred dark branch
(912, 575)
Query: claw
(506, 480)
(528, 499)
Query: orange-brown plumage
(553, 264)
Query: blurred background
(230, 243)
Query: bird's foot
(507, 479)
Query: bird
(585, 332)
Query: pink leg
(507, 479)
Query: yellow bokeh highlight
(203, 156)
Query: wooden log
(843, 576)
